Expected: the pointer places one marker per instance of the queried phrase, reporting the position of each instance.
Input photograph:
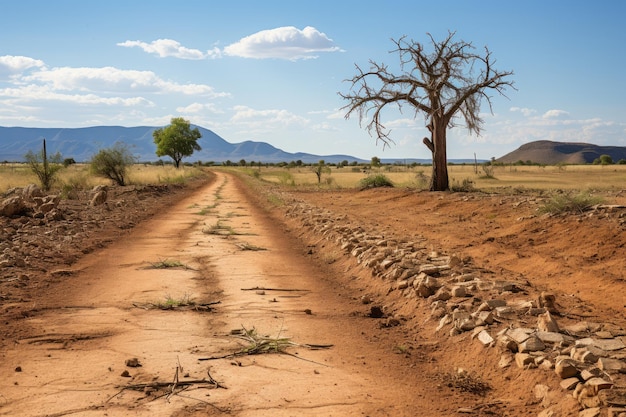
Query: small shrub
(488, 170)
(375, 181)
(569, 203)
(44, 166)
(466, 186)
(113, 163)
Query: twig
(271, 289)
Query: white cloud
(555, 114)
(524, 110)
(286, 42)
(16, 64)
(171, 48)
(110, 79)
(199, 108)
(266, 120)
(44, 93)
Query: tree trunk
(439, 180)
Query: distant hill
(82, 143)
(551, 153)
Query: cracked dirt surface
(69, 328)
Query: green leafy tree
(375, 162)
(44, 166)
(445, 81)
(319, 169)
(113, 163)
(177, 140)
(603, 160)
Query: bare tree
(441, 83)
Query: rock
(554, 338)
(598, 384)
(519, 334)
(532, 344)
(582, 354)
(569, 383)
(615, 397)
(99, 198)
(376, 312)
(587, 374)
(546, 323)
(458, 291)
(505, 361)
(566, 368)
(524, 360)
(13, 206)
(610, 364)
(133, 363)
(31, 191)
(548, 301)
(483, 317)
(485, 338)
(590, 412)
(442, 294)
(604, 344)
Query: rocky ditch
(527, 328)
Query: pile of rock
(30, 200)
(589, 358)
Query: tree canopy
(177, 140)
(449, 80)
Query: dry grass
(78, 176)
(570, 177)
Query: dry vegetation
(78, 176)
(520, 178)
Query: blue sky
(271, 70)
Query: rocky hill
(550, 153)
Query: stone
(484, 317)
(587, 374)
(615, 397)
(524, 360)
(485, 338)
(99, 198)
(590, 412)
(566, 368)
(532, 344)
(505, 361)
(582, 354)
(458, 291)
(546, 323)
(505, 312)
(442, 294)
(506, 343)
(554, 338)
(610, 364)
(13, 206)
(547, 300)
(598, 384)
(492, 304)
(604, 344)
(569, 383)
(519, 334)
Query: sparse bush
(488, 170)
(375, 181)
(569, 203)
(113, 163)
(44, 166)
(466, 186)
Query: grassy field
(570, 177)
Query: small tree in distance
(320, 169)
(177, 140)
(113, 163)
(44, 166)
(444, 84)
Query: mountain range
(82, 143)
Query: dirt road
(131, 329)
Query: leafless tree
(449, 80)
